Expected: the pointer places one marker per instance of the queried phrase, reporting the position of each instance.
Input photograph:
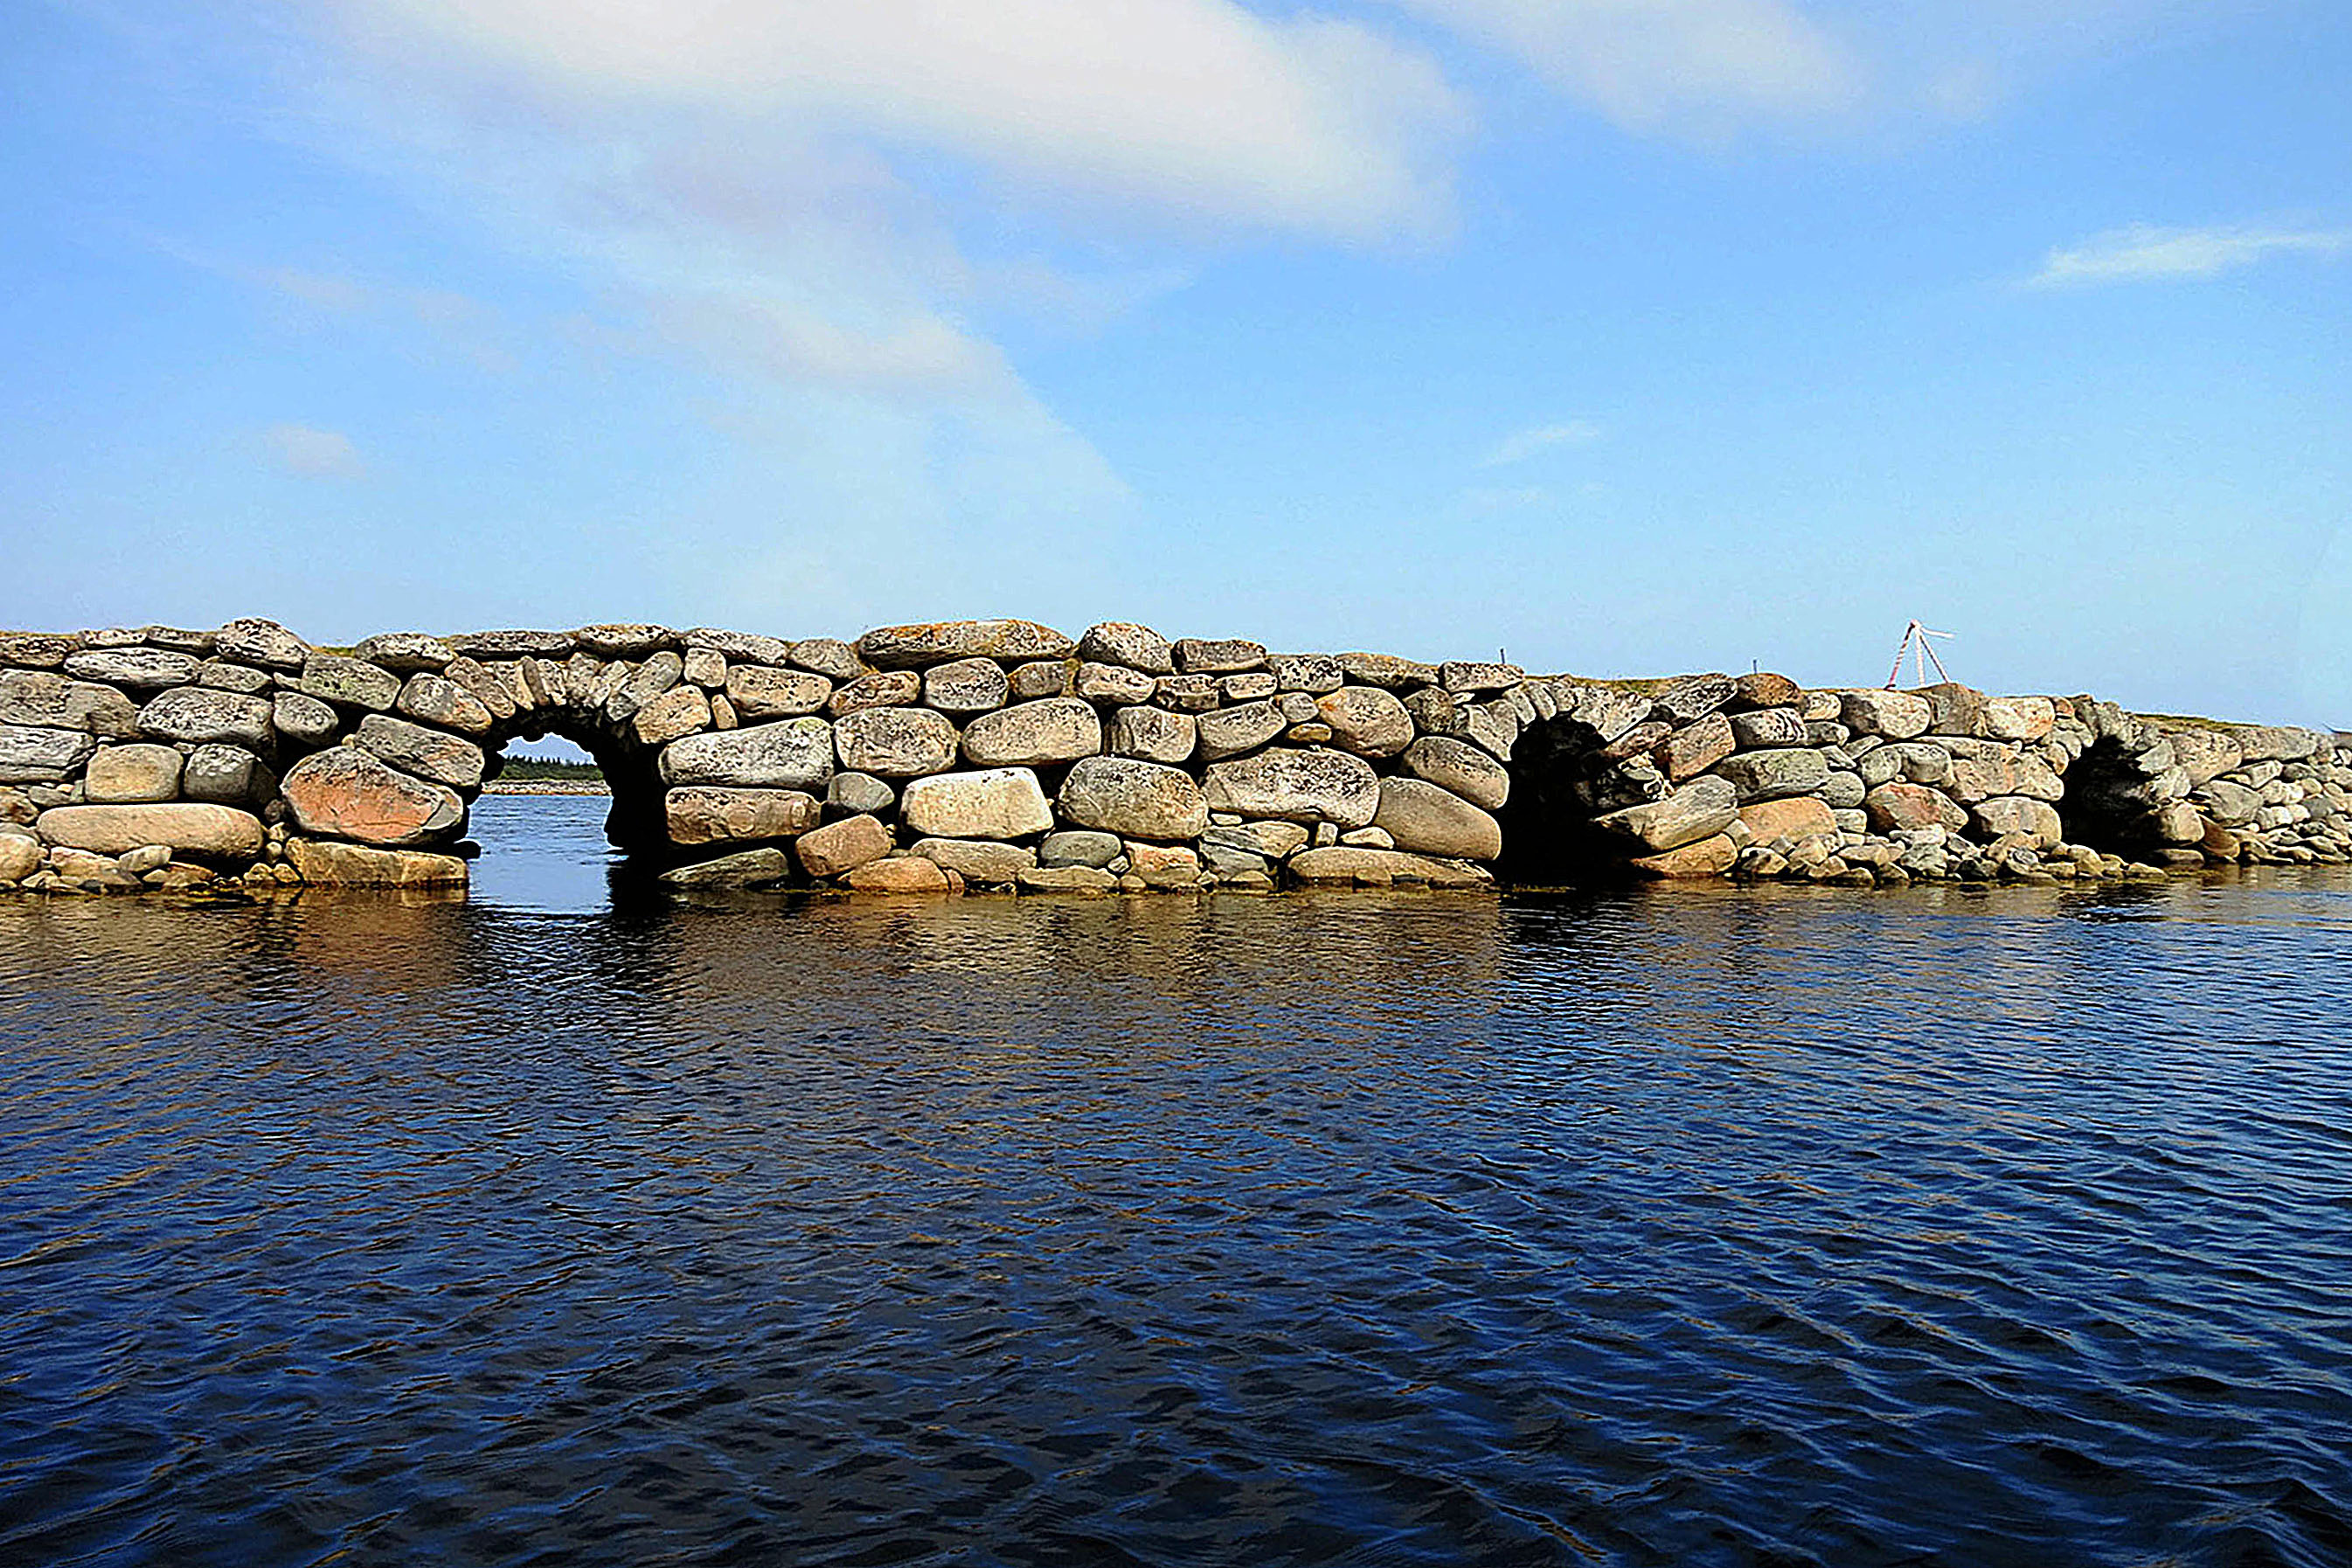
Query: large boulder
(138, 667)
(996, 803)
(406, 653)
(941, 642)
(1768, 775)
(1797, 817)
(980, 862)
(436, 700)
(265, 643)
(1907, 807)
(1134, 799)
(744, 868)
(427, 753)
(199, 714)
(351, 792)
(758, 691)
(1699, 809)
(1764, 728)
(1366, 720)
(1034, 734)
(1298, 785)
(42, 700)
(138, 772)
(1229, 731)
(1694, 861)
(227, 775)
(1131, 645)
(1895, 715)
(220, 832)
(1366, 866)
(1153, 735)
(2021, 814)
(795, 754)
(1695, 748)
(41, 755)
(1424, 819)
(346, 682)
(842, 845)
(713, 814)
(324, 863)
(1465, 770)
(967, 686)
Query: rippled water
(1747, 1226)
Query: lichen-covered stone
(430, 754)
(1895, 715)
(408, 653)
(1217, 656)
(882, 688)
(967, 686)
(228, 776)
(680, 712)
(265, 643)
(1465, 770)
(303, 721)
(1767, 775)
(346, 682)
(793, 753)
(1126, 644)
(199, 714)
(1366, 720)
(1034, 734)
(939, 642)
(141, 668)
(48, 700)
(1228, 731)
(439, 701)
(1699, 809)
(1298, 785)
(1134, 799)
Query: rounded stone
(978, 861)
(1032, 734)
(1079, 847)
(346, 682)
(1128, 645)
(1134, 799)
(1229, 731)
(1464, 770)
(198, 714)
(305, 721)
(1298, 785)
(19, 857)
(797, 753)
(427, 753)
(852, 794)
(406, 653)
(709, 813)
(351, 792)
(1426, 820)
(229, 775)
(139, 771)
(899, 874)
(187, 828)
(894, 743)
(1366, 720)
(762, 691)
(266, 643)
(998, 803)
(842, 845)
(1154, 734)
(966, 686)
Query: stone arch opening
(1567, 772)
(2115, 799)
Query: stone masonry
(1003, 755)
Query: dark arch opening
(634, 820)
(1563, 777)
(2107, 805)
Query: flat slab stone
(709, 813)
(939, 642)
(744, 868)
(33, 755)
(1424, 819)
(797, 753)
(187, 828)
(1298, 786)
(199, 714)
(324, 864)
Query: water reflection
(1746, 1225)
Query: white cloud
(1521, 444)
(2142, 252)
(1680, 65)
(314, 454)
(1193, 106)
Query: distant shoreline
(546, 786)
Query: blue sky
(1627, 336)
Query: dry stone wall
(981, 755)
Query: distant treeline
(524, 770)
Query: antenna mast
(1915, 644)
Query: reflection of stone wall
(1004, 755)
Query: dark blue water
(1703, 1226)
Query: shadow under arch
(1564, 775)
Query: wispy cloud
(2143, 252)
(312, 453)
(1521, 444)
